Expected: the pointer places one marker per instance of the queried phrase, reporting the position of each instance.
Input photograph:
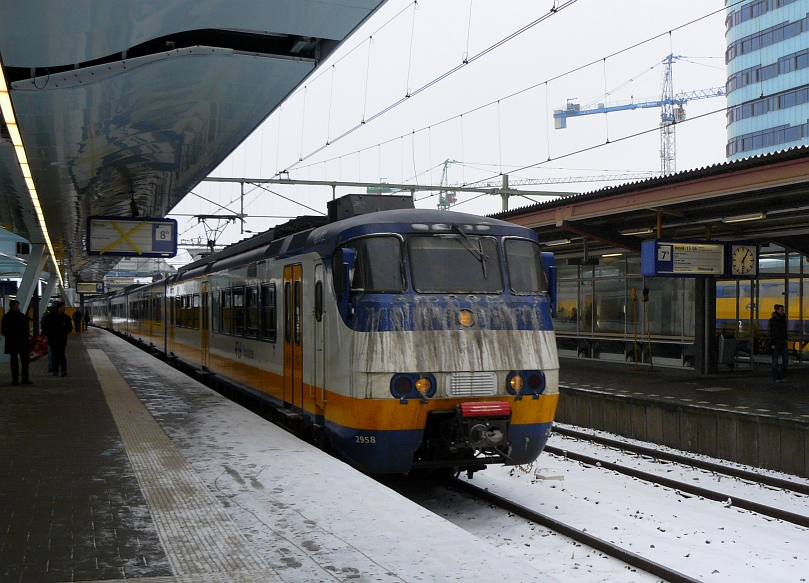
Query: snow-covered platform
(740, 415)
(130, 469)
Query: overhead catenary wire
(429, 84)
(591, 148)
(538, 84)
(413, 132)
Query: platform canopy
(762, 199)
(140, 100)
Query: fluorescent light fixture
(639, 232)
(557, 242)
(612, 255)
(743, 218)
(11, 122)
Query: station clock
(744, 260)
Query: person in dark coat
(57, 325)
(14, 329)
(86, 319)
(779, 343)
(77, 320)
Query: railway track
(580, 536)
(621, 553)
(686, 461)
(772, 512)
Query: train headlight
(536, 382)
(466, 318)
(402, 386)
(423, 385)
(406, 386)
(525, 382)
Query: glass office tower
(767, 59)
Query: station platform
(129, 469)
(737, 415)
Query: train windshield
(378, 268)
(524, 261)
(455, 264)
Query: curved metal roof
(113, 98)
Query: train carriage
(408, 338)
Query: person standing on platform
(86, 320)
(48, 310)
(14, 329)
(57, 326)
(778, 342)
(78, 317)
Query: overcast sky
(511, 130)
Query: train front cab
(440, 374)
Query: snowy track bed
(700, 538)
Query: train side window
(319, 301)
(251, 312)
(287, 313)
(225, 317)
(195, 312)
(268, 325)
(238, 310)
(214, 311)
(298, 309)
(186, 311)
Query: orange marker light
(423, 385)
(466, 318)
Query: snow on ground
(312, 517)
(698, 537)
(327, 523)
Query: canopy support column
(30, 278)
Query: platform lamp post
(645, 299)
(635, 327)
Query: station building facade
(597, 317)
(596, 239)
(767, 58)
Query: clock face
(743, 259)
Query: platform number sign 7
(664, 253)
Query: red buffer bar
(485, 409)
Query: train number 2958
(366, 439)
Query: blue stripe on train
(391, 452)
(422, 312)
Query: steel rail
(763, 509)
(687, 461)
(580, 536)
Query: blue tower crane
(671, 112)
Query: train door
(204, 326)
(293, 336)
(319, 363)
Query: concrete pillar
(30, 278)
(705, 342)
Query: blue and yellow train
(407, 338)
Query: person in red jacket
(14, 329)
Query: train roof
(323, 231)
(407, 217)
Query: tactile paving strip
(201, 541)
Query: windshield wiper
(469, 245)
